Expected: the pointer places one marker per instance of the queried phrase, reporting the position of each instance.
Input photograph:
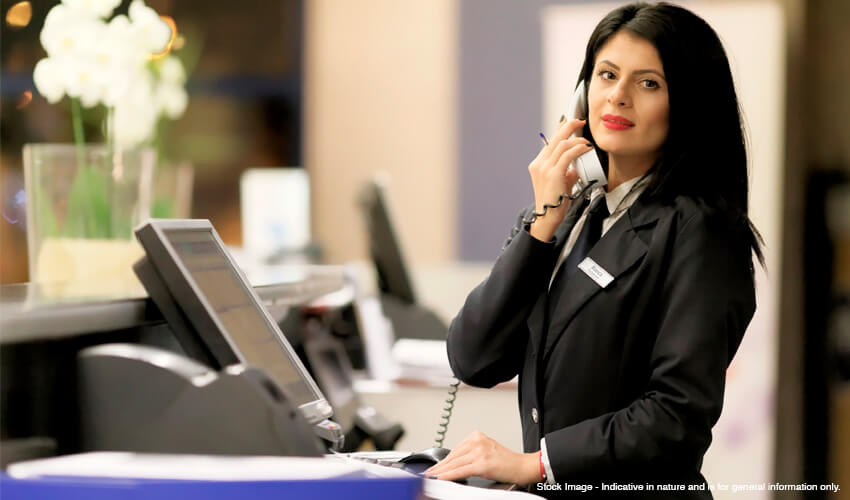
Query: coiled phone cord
(447, 414)
(564, 196)
(546, 206)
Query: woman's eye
(650, 84)
(606, 75)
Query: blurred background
(445, 98)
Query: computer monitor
(398, 302)
(213, 310)
(393, 278)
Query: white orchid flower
(171, 99)
(118, 61)
(81, 82)
(135, 113)
(68, 32)
(48, 80)
(70, 37)
(87, 64)
(151, 31)
(171, 70)
(171, 96)
(94, 8)
(100, 63)
(119, 30)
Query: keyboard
(391, 459)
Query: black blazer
(626, 382)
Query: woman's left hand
(479, 455)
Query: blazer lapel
(537, 318)
(618, 250)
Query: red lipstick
(615, 122)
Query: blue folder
(353, 487)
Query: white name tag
(596, 273)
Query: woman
(622, 359)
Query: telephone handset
(587, 165)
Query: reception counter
(41, 333)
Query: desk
(418, 407)
(40, 336)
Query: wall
(827, 71)
(788, 463)
(824, 96)
(380, 95)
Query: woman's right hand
(551, 176)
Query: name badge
(596, 273)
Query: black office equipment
(327, 360)
(398, 300)
(143, 399)
(216, 315)
(393, 278)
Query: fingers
(566, 129)
(449, 464)
(569, 155)
(560, 169)
(461, 472)
(565, 145)
(459, 454)
(480, 455)
(462, 454)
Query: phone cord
(447, 414)
(546, 206)
(564, 196)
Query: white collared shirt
(618, 200)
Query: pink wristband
(542, 467)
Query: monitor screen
(390, 267)
(223, 308)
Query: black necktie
(591, 231)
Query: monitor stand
(412, 321)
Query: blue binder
(354, 487)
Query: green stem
(79, 221)
(77, 120)
(159, 130)
(110, 129)
(79, 134)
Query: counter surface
(29, 312)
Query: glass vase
(83, 202)
(172, 195)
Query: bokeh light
(19, 15)
(25, 99)
(171, 24)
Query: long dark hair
(704, 158)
